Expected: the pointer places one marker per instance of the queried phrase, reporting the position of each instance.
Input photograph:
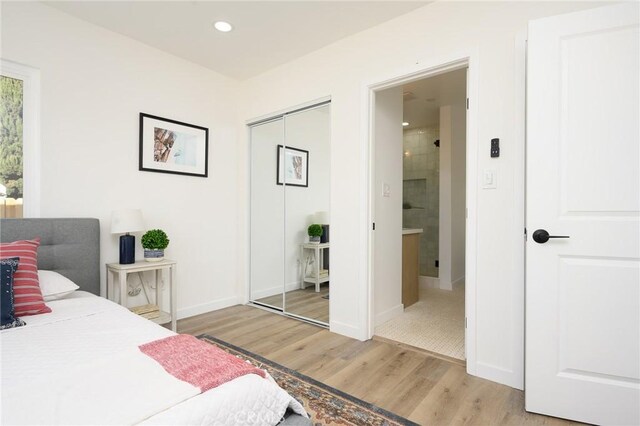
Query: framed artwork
(169, 146)
(293, 166)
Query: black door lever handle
(541, 236)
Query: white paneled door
(583, 181)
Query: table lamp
(123, 222)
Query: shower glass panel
(421, 192)
(267, 216)
(307, 171)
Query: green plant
(155, 239)
(314, 230)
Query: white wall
(388, 205)
(458, 191)
(489, 30)
(94, 85)
(452, 195)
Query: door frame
(421, 70)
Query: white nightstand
(318, 252)
(122, 271)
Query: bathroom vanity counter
(410, 265)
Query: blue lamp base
(324, 238)
(127, 249)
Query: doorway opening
(420, 165)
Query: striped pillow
(27, 297)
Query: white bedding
(80, 365)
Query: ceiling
(423, 98)
(266, 33)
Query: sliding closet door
(306, 172)
(267, 216)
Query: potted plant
(154, 242)
(315, 232)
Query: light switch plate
(489, 179)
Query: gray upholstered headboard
(70, 247)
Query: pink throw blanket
(201, 364)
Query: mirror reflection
(290, 213)
(266, 216)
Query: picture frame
(293, 166)
(170, 146)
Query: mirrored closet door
(267, 217)
(290, 191)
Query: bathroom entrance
(420, 165)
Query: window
(11, 140)
(19, 141)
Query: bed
(81, 363)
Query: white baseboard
(457, 282)
(446, 285)
(434, 282)
(275, 290)
(347, 330)
(428, 282)
(267, 292)
(207, 307)
(389, 314)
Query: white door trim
(420, 70)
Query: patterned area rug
(325, 405)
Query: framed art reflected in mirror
(293, 166)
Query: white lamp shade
(322, 218)
(126, 220)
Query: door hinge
(467, 103)
(525, 234)
(465, 322)
(374, 226)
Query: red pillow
(27, 296)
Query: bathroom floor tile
(434, 323)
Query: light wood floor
(414, 384)
(306, 303)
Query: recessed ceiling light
(223, 26)
(405, 124)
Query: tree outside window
(11, 139)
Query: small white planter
(153, 255)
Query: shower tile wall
(420, 197)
